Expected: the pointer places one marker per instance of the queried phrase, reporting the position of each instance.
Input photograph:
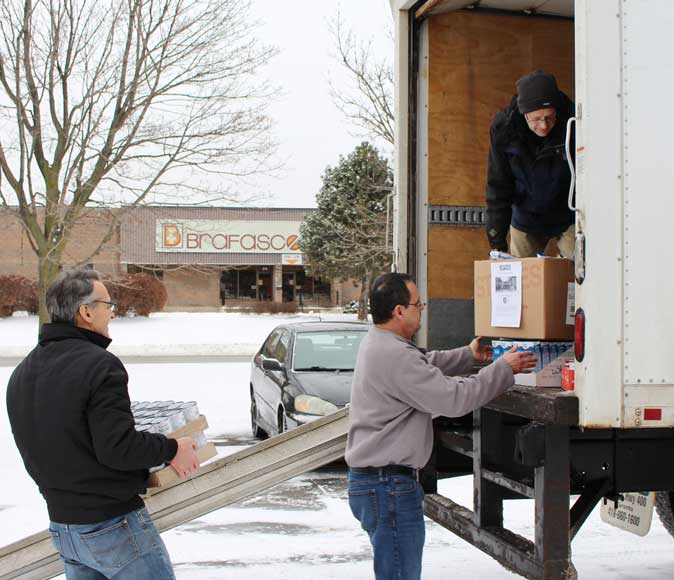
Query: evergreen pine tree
(346, 237)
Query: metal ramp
(217, 484)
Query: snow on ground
(171, 333)
(301, 529)
(220, 390)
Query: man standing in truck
(397, 389)
(70, 413)
(528, 177)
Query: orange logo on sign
(172, 237)
(293, 242)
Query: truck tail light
(579, 336)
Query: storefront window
(315, 290)
(247, 284)
(289, 288)
(229, 285)
(265, 287)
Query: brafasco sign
(222, 236)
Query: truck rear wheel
(664, 506)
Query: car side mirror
(271, 364)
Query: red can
(568, 376)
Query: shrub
(142, 293)
(275, 307)
(17, 293)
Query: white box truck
(456, 65)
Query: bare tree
(109, 101)
(368, 102)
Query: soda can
(200, 438)
(568, 376)
(160, 404)
(176, 418)
(191, 410)
(161, 425)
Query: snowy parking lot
(171, 333)
(301, 529)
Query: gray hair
(71, 289)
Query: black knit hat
(537, 90)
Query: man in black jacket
(70, 413)
(528, 177)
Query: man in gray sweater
(397, 389)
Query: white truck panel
(624, 171)
(599, 201)
(648, 80)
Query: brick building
(17, 256)
(207, 257)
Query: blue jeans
(127, 547)
(390, 509)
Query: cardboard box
(547, 300)
(192, 428)
(549, 376)
(168, 475)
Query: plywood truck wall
(473, 63)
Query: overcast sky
(311, 132)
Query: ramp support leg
(488, 496)
(552, 492)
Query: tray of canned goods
(173, 419)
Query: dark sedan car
(301, 372)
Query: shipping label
(506, 294)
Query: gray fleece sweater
(396, 391)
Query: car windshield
(333, 350)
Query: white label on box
(570, 303)
(506, 294)
(550, 376)
(633, 514)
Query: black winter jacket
(70, 414)
(528, 177)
